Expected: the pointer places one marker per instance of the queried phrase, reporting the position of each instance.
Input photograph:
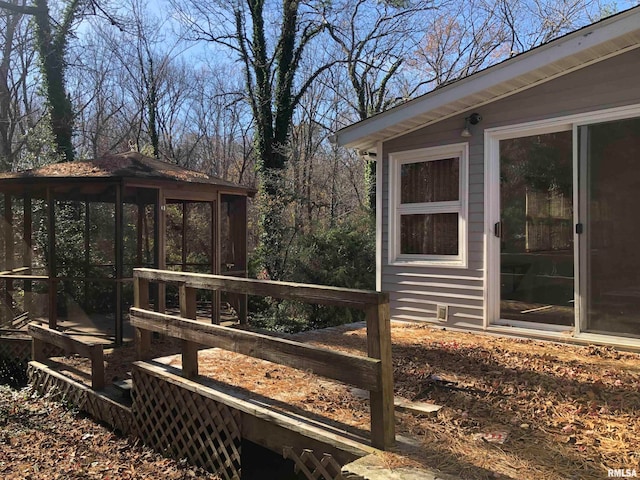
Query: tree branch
(28, 10)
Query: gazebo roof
(121, 166)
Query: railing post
(141, 300)
(379, 347)
(97, 367)
(37, 350)
(189, 349)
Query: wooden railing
(93, 351)
(373, 372)
(10, 318)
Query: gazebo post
(119, 251)
(154, 287)
(87, 246)
(184, 236)
(238, 224)
(53, 286)
(139, 227)
(162, 250)
(215, 233)
(27, 252)
(8, 254)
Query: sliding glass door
(609, 162)
(535, 230)
(565, 248)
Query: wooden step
(403, 405)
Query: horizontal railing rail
(372, 372)
(94, 351)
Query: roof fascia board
(571, 44)
(508, 94)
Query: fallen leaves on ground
(558, 411)
(563, 411)
(42, 440)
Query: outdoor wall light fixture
(472, 119)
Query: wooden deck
(207, 423)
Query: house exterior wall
(416, 290)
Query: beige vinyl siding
(415, 291)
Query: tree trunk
(52, 50)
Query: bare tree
(12, 80)
(462, 38)
(51, 42)
(374, 41)
(269, 41)
(221, 124)
(533, 22)
(105, 113)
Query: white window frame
(397, 209)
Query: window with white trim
(428, 205)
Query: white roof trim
(407, 117)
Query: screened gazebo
(73, 232)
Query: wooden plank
(69, 344)
(379, 346)
(37, 350)
(141, 293)
(8, 232)
(21, 320)
(9, 256)
(189, 349)
(264, 425)
(87, 247)
(187, 298)
(268, 288)
(362, 372)
(97, 368)
(140, 210)
(242, 254)
(141, 300)
(5, 273)
(161, 228)
(184, 236)
(24, 277)
(277, 431)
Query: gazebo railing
(373, 372)
(7, 279)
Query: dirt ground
(512, 409)
(563, 411)
(42, 440)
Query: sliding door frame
(492, 137)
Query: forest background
(251, 91)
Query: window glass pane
(433, 181)
(429, 234)
(610, 152)
(536, 244)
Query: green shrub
(342, 256)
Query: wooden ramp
(206, 424)
(180, 413)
